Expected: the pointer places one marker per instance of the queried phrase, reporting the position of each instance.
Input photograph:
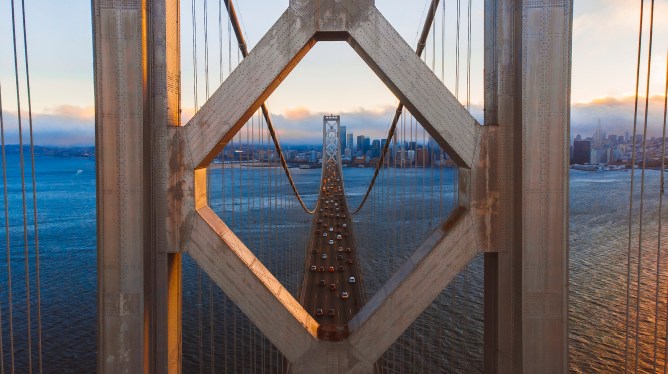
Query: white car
(344, 295)
(351, 279)
(331, 241)
(331, 229)
(324, 234)
(338, 237)
(324, 257)
(345, 225)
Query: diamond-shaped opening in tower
(336, 258)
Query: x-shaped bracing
(233, 266)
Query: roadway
(331, 266)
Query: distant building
(360, 143)
(581, 152)
(342, 138)
(422, 157)
(375, 148)
(349, 141)
(367, 145)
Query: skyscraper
(342, 138)
(367, 144)
(581, 152)
(349, 141)
(375, 148)
(360, 143)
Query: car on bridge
(332, 287)
(324, 256)
(313, 268)
(344, 295)
(350, 280)
(331, 269)
(319, 312)
(331, 313)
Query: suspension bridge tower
(152, 188)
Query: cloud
(68, 125)
(297, 114)
(616, 115)
(65, 125)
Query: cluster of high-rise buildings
(365, 151)
(601, 148)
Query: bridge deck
(331, 261)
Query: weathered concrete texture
(546, 61)
(163, 263)
(119, 73)
(418, 88)
(527, 101)
(251, 286)
(413, 287)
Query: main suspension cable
(243, 48)
(642, 183)
(630, 216)
(422, 42)
(661, 192)
(34, 191)
(23, 195)
(658, 239)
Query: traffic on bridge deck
(332, 289)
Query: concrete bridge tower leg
(137, 101)
(527, 100)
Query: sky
(331, 78)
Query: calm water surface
(598, 268)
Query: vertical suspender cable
(466, 268)
(457, 50)
(23, 195)
(200, 351)
(220, 40)
(206, 48)
(206, 87)
(433, 43)
(10, 305)
(630, 216)
(642, 181)
(34, 192)
(443, 45)
(658, 239)
(194, 22)
(2, 335)
(661, 192)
